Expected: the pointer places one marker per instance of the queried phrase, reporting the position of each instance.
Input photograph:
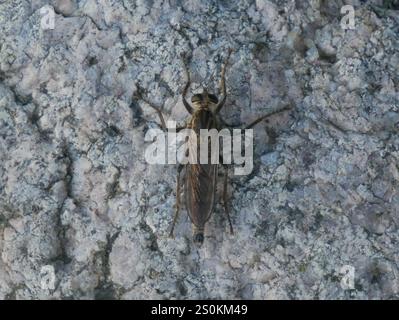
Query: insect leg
(159, 112)
(186, 104)
(226, 208)
(180, 128)
(177, 207)
(156, 108)
(223, 83)
(253, 123)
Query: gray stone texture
(80, 207)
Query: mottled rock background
(82, 215)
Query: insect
(199, 180)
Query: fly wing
(200, 189)
(200, 184)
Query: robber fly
(199, 180)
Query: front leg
(186, 104)
(156, 108)
(223, 83)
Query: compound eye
(196, 98)
(213, 98)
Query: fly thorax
(197, 105)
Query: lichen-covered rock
(82, 215)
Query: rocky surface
(83, 216)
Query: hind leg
(177, 206)
(225, 205)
